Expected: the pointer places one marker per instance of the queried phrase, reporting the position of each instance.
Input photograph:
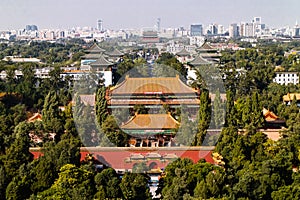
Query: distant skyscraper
(100, 25)
(242, 29)
(257, 20)
(249, 30)
(233, 30)
(296, 30)
(158, 24)
(220, 29)
(31, 28)
(212, 29)
(196, 30)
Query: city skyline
(119, 14)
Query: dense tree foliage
(254, 167)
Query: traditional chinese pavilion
(153, 93)
(198, 61)
(150, 36)
(288, 98)
(151, 130)
(95, 60)
(92, 55)
(209, 53)
(183, 56)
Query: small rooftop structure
(35, 117)
(101, 62)
(115, 53)
(88, 99)
(206, 48)
(199, 60)
(95, 49)
(183, 53)
(291, 96)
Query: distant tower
(196, 30)
(100, 25)
(296, 30)
(233, 30)
(158, 24)
(257, 20)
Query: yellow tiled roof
(153, 85)
(291, 96)
(151, 121)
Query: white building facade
(284, 78)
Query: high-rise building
(242, 29)
(158, 25)
(212, 29)
(249, 30)
(31, 28)
(196, 30)
(257, 20)
(100, 25)
(220, 29)
(296, 30)
(233, 30)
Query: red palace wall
(125, 158)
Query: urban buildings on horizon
(254, 28)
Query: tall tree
(113, 132)
(72, 183)
(101, 106)
(230, 119)
(257, 114)
(51, 114)
(18, 153)
(134, 186)
(218, 111)
(186, 132)
(107, 183)
(204, 117)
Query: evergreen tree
(72, 183)
(113, 132)
(186, 132)
(218, 111)
(204, 117)
(20, 186)
(18, 153)
(230, 119)
(101, 106)
(134, 186)
(107, 183)
(51, 115)
(257, 118)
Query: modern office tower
(258, 26)
(196, 30)
(34, 28)
(100, 25)
(31, 28)
(249, 30)
(233, 30)
(296, 30)
(158, 24)
(220, 29)
(62, 34)
(257, 20)
(212, 29)
(242, 29)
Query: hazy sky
(122, 14)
